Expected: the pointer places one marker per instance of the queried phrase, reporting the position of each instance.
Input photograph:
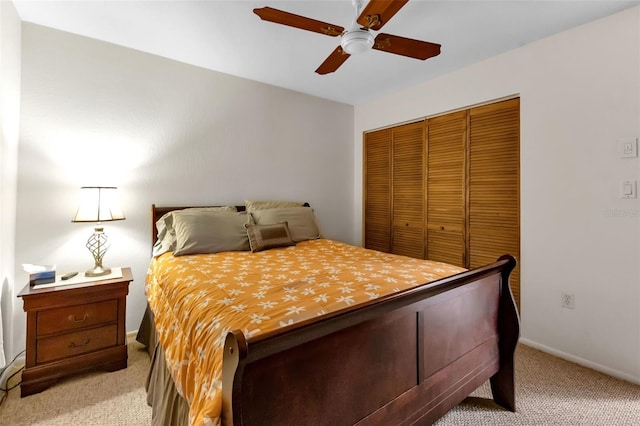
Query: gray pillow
(263, 237)
(210, 232)
(251, 205)
(166, 240)
(301, 221)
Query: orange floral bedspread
(197, 299)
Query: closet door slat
(377, 190)
(494, 185)
(446, 145)
(408, 190)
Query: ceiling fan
(360, 37)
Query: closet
(446, 188)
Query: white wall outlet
(628, 147)
(568, 301)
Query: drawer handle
(73, 318)
(73, 345)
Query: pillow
(210, 232)
(301, 221)
(166, 240)
(263, 237)
(261, 205)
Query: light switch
(628, 189)
(628, 147)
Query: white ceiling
(226, 36)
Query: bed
(403, 357)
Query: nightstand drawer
(72, 344)
(75, 317)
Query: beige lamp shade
(98, 204)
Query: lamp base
(97, 271)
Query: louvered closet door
(446, 143)
(408, 190)
(494, 182)
(377, 190)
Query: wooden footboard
(403, 359)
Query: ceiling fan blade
(285, 18)
(333, 61)
(406, 46)
(378, 12)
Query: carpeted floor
(550, 391)
(95, 398)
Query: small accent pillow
(263, 237)
(301, 221)
(251, 205)
(166, 240)
(210, 232)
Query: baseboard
(581, 361)
(131, 336)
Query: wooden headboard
(158, 212)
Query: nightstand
(74, 328)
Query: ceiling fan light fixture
(356, 41)
(363, 34)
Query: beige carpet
(550, 391)
(95, 398)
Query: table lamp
(98, 204)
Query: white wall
(580, 92)
(10, 37)
(164, 132)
